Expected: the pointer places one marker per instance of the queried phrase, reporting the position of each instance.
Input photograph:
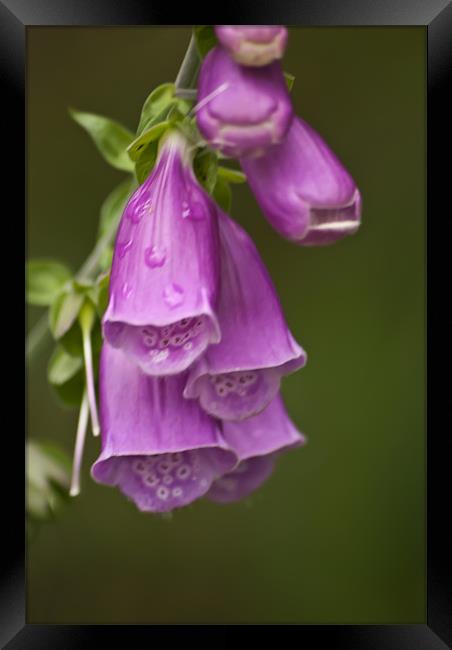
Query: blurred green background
(337, 534)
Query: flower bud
(241, 110)
(304, 190)
(253, 45)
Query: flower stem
(79, 446)
(86, 319)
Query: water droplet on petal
(139, 210)
(173, 295)
(186, 212)
(193, 210)
(123, 247)
(155, 256)
(126, 290)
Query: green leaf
(63, 312)
(290, 80)
(113, 206)
(156, 103)
(48, 478)
(231, 175)
(45, 279)
(71, 392)
(222, 194)
(205, 39)
(62, 366)
(205, 167)
(103, 283)
(72, 341)
(146, 161)
(110, 137)
(137, 147)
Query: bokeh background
(337, 534)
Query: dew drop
(123, 247)
(193, 210)
(173, 295)
(186, 212)
(126, 290)
(138, 211)
(155, 256)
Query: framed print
(229, 238)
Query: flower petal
(253, 45)
(164, 275)
(241, 110)
(239, 376)
(304, 190)
(161, 450)
(257, 442)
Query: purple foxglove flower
(160, 449)
(164, 276)
(239, 376)
(303, 189)
(253, 45)
(240, 110)
(257, 442)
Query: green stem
(189, 67)
(185, 78)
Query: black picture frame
(436, 16)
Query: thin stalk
(79, 446)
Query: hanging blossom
(258, 442)
(304, 190)
(241, 110)
(196, 342)
(302, 187)
(161, 450)
(253, 45)
(164, 276)
(238, 377)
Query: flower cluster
(195, 340)
(301, 186)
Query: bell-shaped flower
(304, 190)
(164, 276)
(239, 376)
(241, 110)
(253, 45)
(161, 450)
(257, 442)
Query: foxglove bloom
(165, 268)
(257, 442)
(241, 110)
(253, 45)
(304, 190)
(239, 376)
(161, 450)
